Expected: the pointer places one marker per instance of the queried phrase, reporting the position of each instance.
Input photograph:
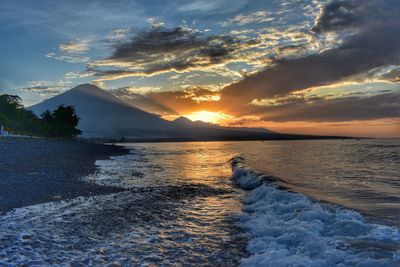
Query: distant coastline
(279, 137)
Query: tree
(27, 123)
(47, 116)
(13, 100)
(16, 118)
(3, 120)
(10, 105)
(63, 122)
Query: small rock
(101, 251)
(26, 236)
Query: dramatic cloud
(391, 73)
(73, 52)
(261, 63)
(170, 102)
(211, 7)
(75, 47)
(46, 88)
(142, 101)
(244, 19)
(332, 110)
(372, 45)
(339, 15)
(161, 50)
(199, 94)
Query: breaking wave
(118, 230)
(290, 229)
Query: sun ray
(207, 116)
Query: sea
(253, 203)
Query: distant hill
(187, 122)
(103, 115)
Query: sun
(207, 116)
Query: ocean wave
(137, 227)
(292, 229)
(247, 178)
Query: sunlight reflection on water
(181, 206)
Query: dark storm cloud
(342, 14)
(381, 106)
(159, 50)
(160, 40)
(392, 75)
(374, 44)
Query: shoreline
(185, 140)
(34, 171)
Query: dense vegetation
(61, 122)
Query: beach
(205, 203)
(35, 171)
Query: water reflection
(181, 208)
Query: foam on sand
(291, 229)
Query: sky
(293, 66)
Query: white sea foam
(164, 218)
(291, 229)
(161, 226)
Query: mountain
(184, 121)
(104, 115)
(187, 122)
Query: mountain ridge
(104, 115)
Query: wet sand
(35, 171)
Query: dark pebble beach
(35, 171)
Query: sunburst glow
(207, 116)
